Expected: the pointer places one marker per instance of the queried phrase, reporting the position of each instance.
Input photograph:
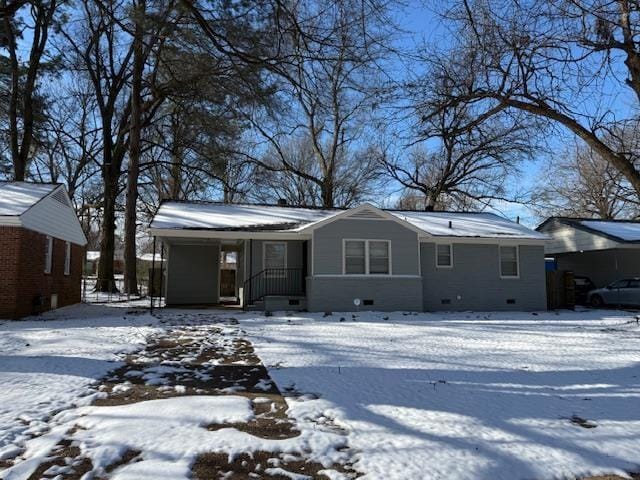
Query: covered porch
(229, 270)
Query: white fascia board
(226, 234)
(10, 221)
(485, 240)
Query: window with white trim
(274, 259)
(444, 255)
(509, 264)
(67, 258)
(48, 254)
(367, 257)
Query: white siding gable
(565, 238)
(55, 216)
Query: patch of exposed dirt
(262, 465)
(199, 359)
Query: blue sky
(423, 25)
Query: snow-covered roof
(626, 231)
(467, 225)
(93, 255)
(41, 207)
(18, 197)
(148, 257)
(217, 216)
(611, 232)
(225, 217)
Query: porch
(255, 274)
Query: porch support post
(161, 270)
(153, 274)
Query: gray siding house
(603, 250)
(363, 258)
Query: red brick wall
(22, 260)
(10, 241)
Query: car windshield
(634, 283)
(619, 284)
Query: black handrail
(273, 281)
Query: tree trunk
(133, 172)
(327, 193)
(106, 280)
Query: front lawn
(468, 396)
(116, 393)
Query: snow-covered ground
(412, 396)
(467, 396)
(51, 363)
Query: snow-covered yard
(468, 396)
(395, 396)
(52, 364)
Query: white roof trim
(10, 221)
(354, 211)
(223, 234)
(484, 240)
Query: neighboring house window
(367, 257)
(509, 267)
(444, 256)
(67, 258)
(48, 254)
(274, 259)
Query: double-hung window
(509, 267)
(48, 254)
(444, 255)
(274, 259)
(67, 258)
(367, 257)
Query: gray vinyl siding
(192, 274)
(604, 266)
(327, 248)
(294, 280)
(294, 254)
(334, 294)
(474, 282)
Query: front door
(227, 283)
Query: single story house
(93, 259)
(41, 249)
(603, 250)
(349, 259)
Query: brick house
(41, 249)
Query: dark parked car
(621, 292)
(583, 285)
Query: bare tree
(99, 45)
(583, 184)
(135, 134)
(357, 176)
(568, 62)
(331, 55)
(463, 161)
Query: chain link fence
(115, 291)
